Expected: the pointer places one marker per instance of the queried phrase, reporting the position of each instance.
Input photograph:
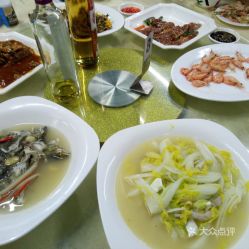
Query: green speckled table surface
(76, 224)
(106, 121)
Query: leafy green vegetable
(150, 21)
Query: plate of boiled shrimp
(217, 72)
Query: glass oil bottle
(83, 29)
(51, 33)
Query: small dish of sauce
(130, 8)
(224, 36)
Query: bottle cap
(43, 2)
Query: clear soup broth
(152, 231)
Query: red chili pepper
(10, 193)
(130, 10)
(21, 189)
(3, 198)
(5, 139)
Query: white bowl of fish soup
(82, 143)
(126, 227)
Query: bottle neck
(42, 7)
(41, 10)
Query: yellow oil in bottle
(65, 92)
(82, 24)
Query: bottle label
(83, 28)
(92, 18)
(93, 25)
(11, 16)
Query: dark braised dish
(16, 59)
(168, 33)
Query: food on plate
(16, 59)
(235, 12)
(26, 155)
(103, 22)
(168, 33)
(247, 73)
(173, 189)
(212, 69)
(130, 10)
(223, 36)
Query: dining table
(77, 223)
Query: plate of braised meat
(174, 26)
(19, 60)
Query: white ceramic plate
(172, 13)
(122, 143)
(84, 145)
(116, 18)
(28, 42)
(228, 21)
(216, 92)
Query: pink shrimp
(205, 68)
(196, 66)
(226, 58)
(247, 73)
(231, 66)
(232, 81)
(197, 75)
(208, 58)
(218, 78)
(238, 64)
(209, 78)
(240, 57)
(199, 83)
(185, 71)
(219, 65)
